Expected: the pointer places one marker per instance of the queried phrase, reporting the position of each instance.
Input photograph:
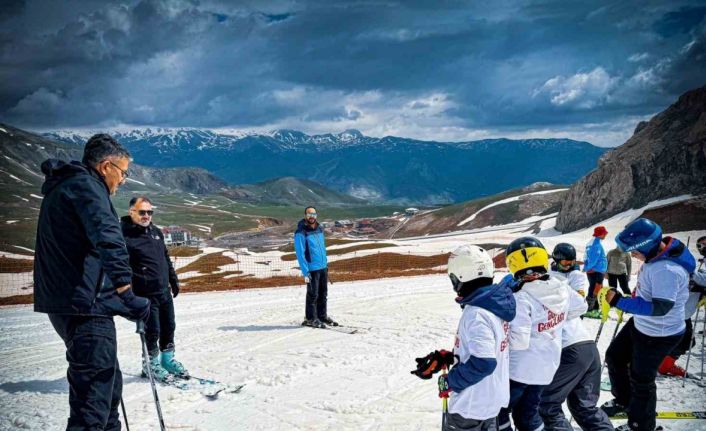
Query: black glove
(175, 289)
(138, 307)
(617, 296)
(433, 363)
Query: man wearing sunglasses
(152, 277)
(311, 253)
(82, 276)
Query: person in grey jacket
(619, 268)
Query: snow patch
(35, 196)
(504, 201)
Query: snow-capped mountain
(387, 168)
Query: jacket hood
(55, 171)
(551, 293)
(496, 298)
(303, 225)
(677, 252)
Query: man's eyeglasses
(124, 173)
(145, 212)
(311, 214)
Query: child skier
(635, 354)
(578, 377)
(543, 304)
(478, 383)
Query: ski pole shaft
(444, 405)
(703, 348)
(691, 342)
(146, 358)
(122, 404)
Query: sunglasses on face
(123, 173)
(311, 214)
(701, 246)
(145, 212)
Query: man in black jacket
(82, 276)
(152, 276)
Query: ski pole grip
(140, 327)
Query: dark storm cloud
(437, 70)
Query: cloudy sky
(448, 71)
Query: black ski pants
(687, 341)
(614, 279)
(633, 359)
(456, 422)
(160, 324)
(95, 380)
(524, 405)
(316, 294)
(578, 382)
(594, 279)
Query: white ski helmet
(467, 263)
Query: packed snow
(297, 378)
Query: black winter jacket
(152, 270)
(80, 254)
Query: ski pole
(605, 309)
(703, 346)
(444, 403)
(122, 404)
(146, 358)
(692, 342)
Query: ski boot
(329, 321)
(158, 372)
(612, 408)
(314, 323)
(171, 365)
(593, 314)
(670, 368)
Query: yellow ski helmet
(526, 255)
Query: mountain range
(390, 169)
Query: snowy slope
(298, 378)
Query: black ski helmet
(564, 251)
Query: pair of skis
(698, 414)
(209, 388)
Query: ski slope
(297, 378)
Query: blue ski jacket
(595, 259)
(310, 247)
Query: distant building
(176, 235)
(364, 231)
(343, 223)
(411, 211)
(364, 223)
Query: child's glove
(433, 363)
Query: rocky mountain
(665, 157)
(376, 169)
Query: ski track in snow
(297, 378)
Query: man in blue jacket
(82, 276)
(657, 325)
(595, 266)
(311, 253)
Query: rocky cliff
(665, 157)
